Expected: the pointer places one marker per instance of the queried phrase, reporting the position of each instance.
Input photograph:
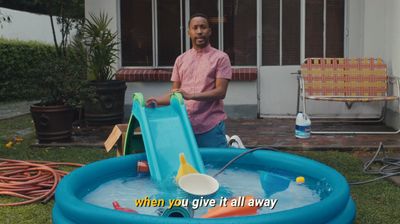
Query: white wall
(374, 28)
(355, 21)
(111, 8)
(238, 92)
(28, 26)
(392, 52)
(108, 6)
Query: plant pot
(52, 123)
(108, 108)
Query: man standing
(202, 75)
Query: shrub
(20, 72)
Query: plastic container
(303, 126)
(198, 184)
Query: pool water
(233, 181)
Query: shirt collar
(206, 49)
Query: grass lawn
(377, 202)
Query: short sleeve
(224, 68)
(175, 71)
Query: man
(201, 75)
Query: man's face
(199, 32)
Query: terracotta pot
(52, 123)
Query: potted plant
(102, 52)
(63, 85)
(64, 89)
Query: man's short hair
(199, 15)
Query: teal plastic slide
(166, 132)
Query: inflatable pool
(337, 207)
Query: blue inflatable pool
(337, 207)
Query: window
(240, 31)
(281, 30)
(169, 32)
(210, 8)
(334, 28)
(136, 33)
(332, 43)
(154, 32)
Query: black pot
(108, 108)
(52, 123)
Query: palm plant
(101, 45)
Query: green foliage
(32, 70)
(37, 212)
(71, 8)
(101, 46)
(65, 80)
(20, 76)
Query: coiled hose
(31, 181)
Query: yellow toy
(9, 145)
(300, 180)
(184, 168)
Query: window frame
(185, 44)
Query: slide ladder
(166, 132)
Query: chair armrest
(298, 72)
(395, 80)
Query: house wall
(374, 29)
(110, 7)
(381, 38)
(392, 52)
(355, 30)
(241, 99)
(372, 32)
(28, 26)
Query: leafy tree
(68, 13)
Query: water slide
(166, 132)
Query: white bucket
(303, 126)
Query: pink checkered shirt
(197, 70)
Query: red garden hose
(31, 181)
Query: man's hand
(186, 95)
(151, 102)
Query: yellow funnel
(185, 168)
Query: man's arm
(219, 92)
(164, 99)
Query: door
(280, 56)
(292, 30)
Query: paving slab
(14, 109)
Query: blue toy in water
(166, 132)
(273, 183)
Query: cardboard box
(117, 137)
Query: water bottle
(303, 126)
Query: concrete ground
(9, 110)
(265, 132)
(279, 133)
